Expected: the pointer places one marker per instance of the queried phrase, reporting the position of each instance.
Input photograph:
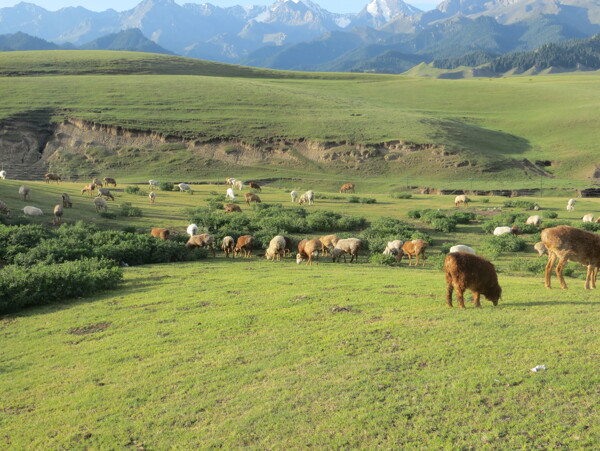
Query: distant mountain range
(386, 36)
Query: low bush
(463, 217)
(386, 229)
(354, 199)
(504, 219)
(493, 246)
(549, 214)
(590, 226)
(401, 195)
(380, 259)
(368, 200)
(166, 186)
(446, 225)
(524, 204)
(132, 189)
(126, 209)
(108, 215)
(537, 266)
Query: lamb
(588, 218)
(100, 204)
(24, 192)
(244, 244)
(276, 248)
(106, 193)
(414, 248)
(202, 240)
(254, 185)
(540, 248)
(110, 181)
(158, 232)
(4, 210)
(152, 197)
(232, 208)
(393, 247)
(294, 195)
(346, 246)
(571, 205)
(347, 187)
(32, 211)
(307, 249)
(467, 271)
(308, 197)
(567, 243)
(49, 176)
(228, 245)
(250, 197)
(185, 187)
(153, 184)
(96, 181)
(503, 230)
(3, 175)
(462, 248)
(58, 212)
(329, 242)
(66, 200)
(89, 188)
(238, 184)
(230, 194)
(192, 229)
(461, 199)
(535, 220)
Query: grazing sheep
(89, 188)
(228, 245)
(192, 229)
(244, 244)
(153, 184)
(461, 199)
(152, 197)
(254, 185)
(307, 249)
(294, 194)
(535, 220)
(571, 205)
(503, 230)
(24, 192)
(185, 187)
(462, 248)
(588, 218)
(4, 210)
(58, 213)
(96, 181)
(467, 271)
(110, 181)
(3, 175)
(251, 197)
(100, 204)
(393, 247)
(238, 184)
(329, 242)
(308, 197)
(32, 211)
(232, 208)
(567, 243)
(346, 246)
(160, 232)
(49, 176)
(230, 194)
(540, 248)
(66, 200)
(414, 248)
(347, 187)
(276, 248)
(202, 240)
(229, 181)
(105, 192)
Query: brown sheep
(160, 232)
(307, 249)
(244, 244)
(254, 185)
(232, 208)
(89, 188)
(110, 181)
(467, 271)
(329, 242)
(414, 248)
(569, 243)
(52, 177)
(66, 200)
(228, 246)
(250, 197)
(58, 212)
(202, 240)
(347, 187)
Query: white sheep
(535, 220)
(229, 181)
(346, 246)
(588, 218)
(228, 245)
(152, 197)
(308, 197)
(32, 211)
(153, 184)
(192, 229)
(3, 175)
(238, 184)
(571, 205)
(462, 248)
(294, 195)
(230, 194)
(100, 204)
(393, 247)
(24, 192)
(276, 248)
(461, 199)
(58, 213)
(185, 187)
(503, 230)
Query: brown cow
(464, 270)
(244, 244)
(159, 232)
(347, 187)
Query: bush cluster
(510, 219)
(493, 246)
(440, 221)
(361, 200)
(524, 204)
(549, 214)
(536, 266)
(380, 259)
(132, 190)
(401, 195)
(386, 229)
(590, 226)
(166, 186)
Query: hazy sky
(337, 6)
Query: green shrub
(380, 259)
(485, 200)
(525, 204)
(493, 246)
(368, 200)
(590, 226)
(444, 224)
(504, 219)
(445, 248)
(387, 229)
(537, 266)
(132, 189)
(401, 195)
(126, 209)
(166, 186)
(108, 215)
(463, 217)
(354, 199)
(549, 214)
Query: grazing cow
(250, 197)
(50, 177)
(467, 271)
(254, 185)
(347, 188)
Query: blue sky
(338, 6)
